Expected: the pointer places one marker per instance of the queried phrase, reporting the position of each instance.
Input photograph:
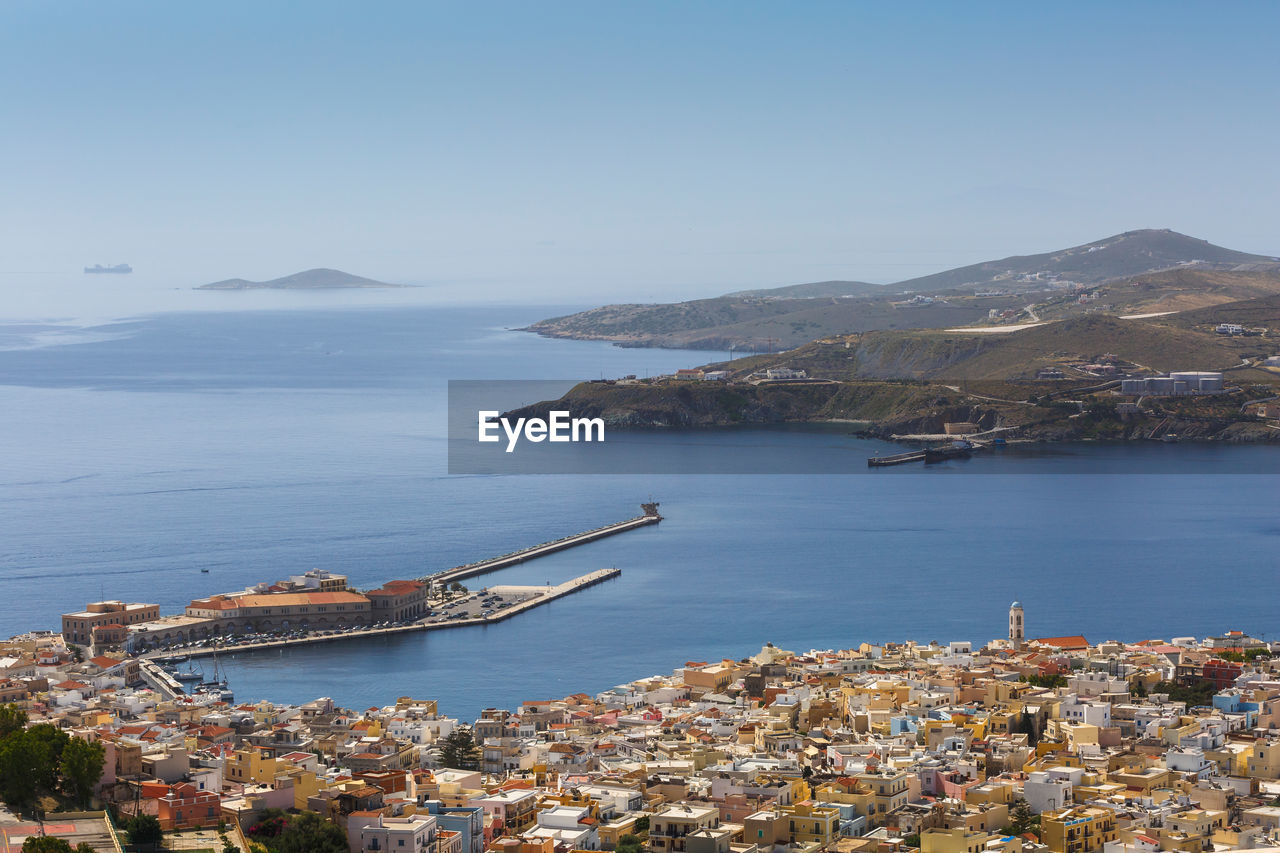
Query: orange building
(184, 807)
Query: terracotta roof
(291, 599)
(396, 588)
(1074, 641)
(216, 602)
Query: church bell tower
(1017, 630)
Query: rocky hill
(913, 382)
(1127, 254)
(1136, 272)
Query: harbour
(446, 605)
(534, 596)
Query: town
(1019, 745)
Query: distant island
(118, 269)
(317, 279)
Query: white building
(1189, 760)
(1177, 384)
(413, 834)
(1089, 713)
(564, 824)
(1044, 793)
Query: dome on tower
(1017, 604)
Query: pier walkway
(159, 680)
(532, 553)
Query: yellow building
(809, 823)
(889, 792)
(961, 840)
(252, 766)
(848, 793)
(670, 827)
(1197, 823)
(992, 791)
(1078, 830)
(1263, 760)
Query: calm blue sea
(260, 444)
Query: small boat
(222, 694)
(191, 674)
(999, 442)
(215, 685)
(204, 571)
(1170, 438)
(959, 449)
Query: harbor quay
(1020, 744)
(320, 606)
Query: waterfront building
(398, 601)
(78, 627)
(283, 611)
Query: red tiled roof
(290, 599)
(1070, 642)
(396, 588)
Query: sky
(592, 152)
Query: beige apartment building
(78, 627)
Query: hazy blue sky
(607, 151)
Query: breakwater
(494, 564)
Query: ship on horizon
(118, 268)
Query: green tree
(459, 750)
(12, 719)
(20, 767)
(81, 768)
(1026, 724)
(1022, 817)
(49, 844)
(48, 741)
(309, 833)
(144, 829)
(642, 823)
(629, 844)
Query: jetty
(895, 459)
(650, 516)
(927, 455)
(159, 680)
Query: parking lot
(478, 605)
